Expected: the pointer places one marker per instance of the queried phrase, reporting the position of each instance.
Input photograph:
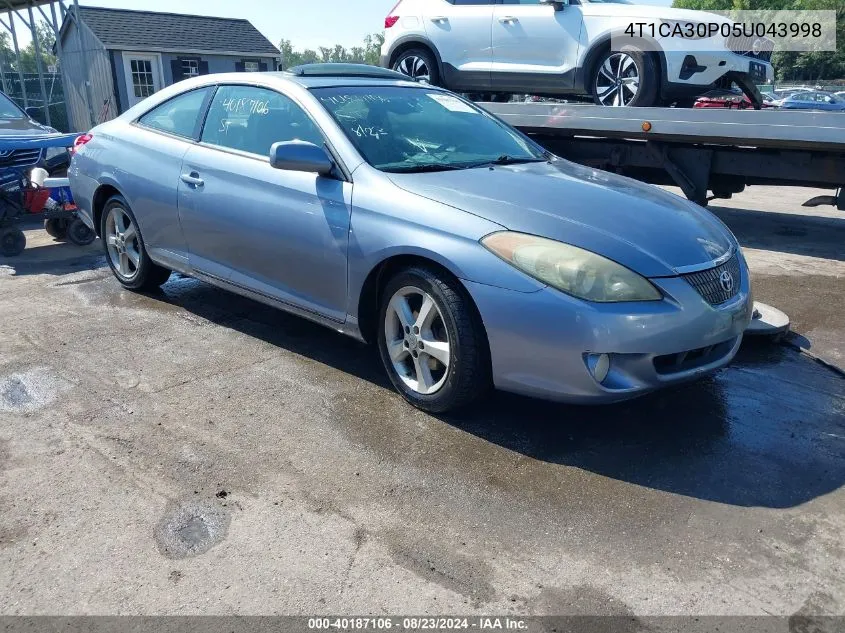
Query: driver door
(282, 234)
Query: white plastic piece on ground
(767, 321)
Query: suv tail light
(80, 141)
(391, 19)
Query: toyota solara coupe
(399, 213)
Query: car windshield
(403, 129)
(8, 110)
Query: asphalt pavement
(193, 452)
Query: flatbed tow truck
(699, 150)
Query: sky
(306, 23)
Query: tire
(614, 68)
(79, 233)
(455, 324)
(419, 64)
(146, 274)
(12, 242)
(56, 228)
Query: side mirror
(301, 156)
(36, 114)
(559, 5)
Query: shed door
(143, 75)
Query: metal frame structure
(24, 10)
(698, 150)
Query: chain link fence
(32, 88)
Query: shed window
(251, 66)
(190, 68)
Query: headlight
(53, 152)
(570, 269)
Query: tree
(369, 53)
(791, 65)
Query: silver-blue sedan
(402, 214)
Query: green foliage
(28, 63)
(367, 54)
(792, 66)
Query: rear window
(179, 116)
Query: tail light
(391, 19)
(80, 141)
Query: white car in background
(551, 47)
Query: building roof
(124, 29)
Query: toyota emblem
(726, 280)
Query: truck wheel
(418, 64)
(624, 78)
(79, 233)
(12, 242)
(56, 228)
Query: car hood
(651, 231)
(645, 11)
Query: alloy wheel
(417, 340)
(617, 80)
(122, 243)
(415, 67)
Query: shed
(114, 58)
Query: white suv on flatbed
(551, 47)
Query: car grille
(20, 158)
(709, 282)
(745, 46)
(684, 361)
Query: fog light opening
(599, 366)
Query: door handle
(192, 179)
(439, 18)
(508, 19)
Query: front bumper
(685, 77)
(539, 341)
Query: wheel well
(407, 46)
(368, 303)
(101, 196)
(595, 54)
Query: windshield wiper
(418, 169)
(504, 159)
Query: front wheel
(125, 250)
(625, 78)
(431, 341)
(12, 241)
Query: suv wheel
(418, 64)
(625, 78)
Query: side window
(251, 119)
(180, 115)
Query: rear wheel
(125, 251)
(431, 341)
(418, 64)
(56, 228)
(79, 233)
(625, 78)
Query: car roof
(323, 81)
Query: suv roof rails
(347, 70)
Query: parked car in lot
(399, 213)
(813, 101)
(20, 125)
(552, 47)
(731, 99)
